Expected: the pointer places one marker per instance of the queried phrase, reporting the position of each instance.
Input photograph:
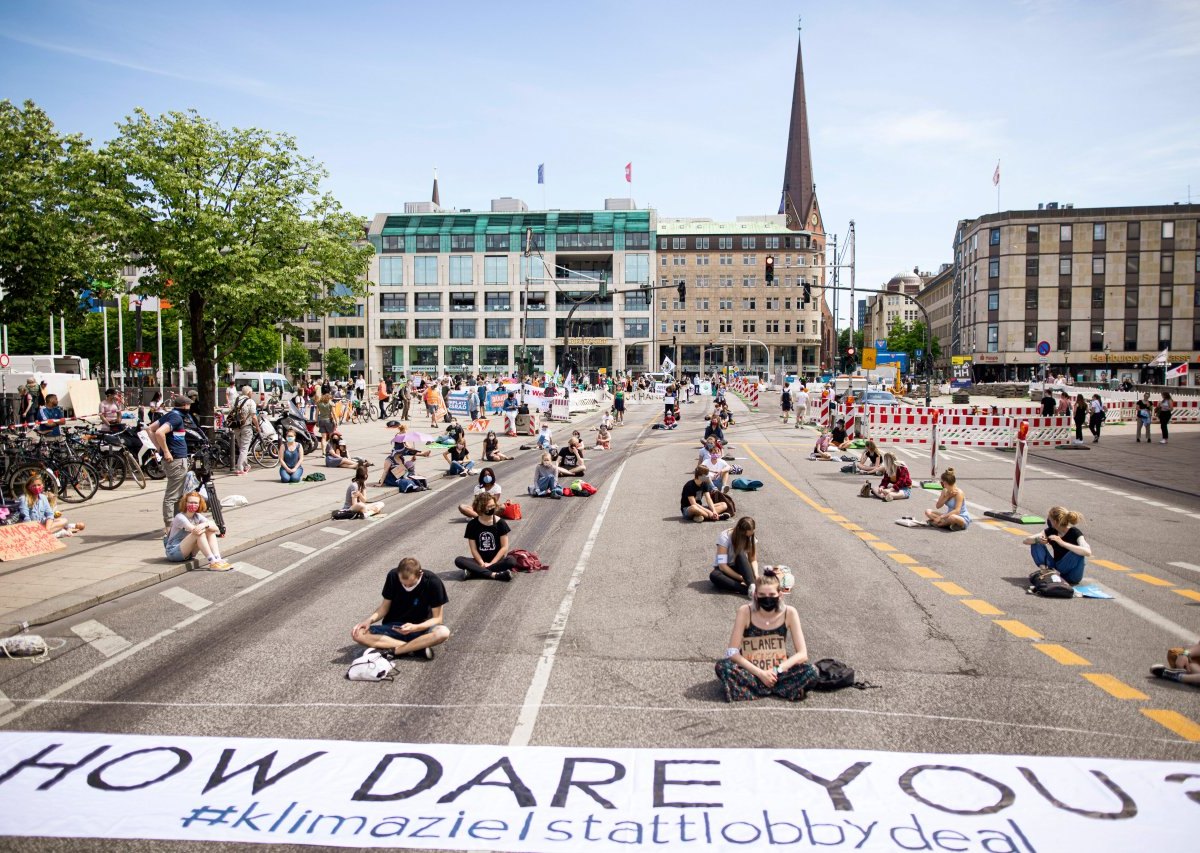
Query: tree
(295, 356)
(48, 250)
(233, 226)
(903, 337)
(337, 363)
(259, 349)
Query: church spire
(798, 191)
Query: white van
(264, 384)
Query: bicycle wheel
(80, 480)
(134, 469)
(153, 467)
(21, 474)
(270, 453)
(110, 470)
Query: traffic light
(807, 294)
(769, 268)
(850, 351)
(603, 285)
(682, 293)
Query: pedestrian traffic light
(850, 351)
(769, 268)
(807, 294)
(682, 293)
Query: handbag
(511, 511)
(371, 665)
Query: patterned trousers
(741, 684)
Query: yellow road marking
(922, 571)
(1108, 564)
(783, 480)
(838, 518)
(851, 527)
(1018, 629)
(993, 523)
(1061, 654)
(867, 537)
(981, 607)
(1015, 531)
(950, 588)
(883, 546)
(824, 509)
(1151, 579)
(1176, 722)
(1114, 687)
(903, 559)
(1188, 593)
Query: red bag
(511, 511)
(527, 561)
(587, 489)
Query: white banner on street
(464, 797)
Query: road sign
(1043, 348)
(4, 359)
(880, 343)
(868, 358)
(920, 353)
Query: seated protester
(570, 459)
(405, 475)
(710, 446)
(487, 486)
(410, 615)
(491, 449)
(578, 442)
(545, 478)
(459, 458)
(719, 471)
(487, 537)
(714, 431)
(896, 484)
(193, 532)
(356, 494)
(821, 448)
(1061, 545)
(291, 459)
(757, 663)
(870, 461)
(1183, 665)
(545, 441)
(603, 440)
(336, 455)
(736, 564)
(697, 500)
(34, 505)
(838, 436)
(950, 511)
(454, 430)
(50, 412)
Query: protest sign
(18, 541)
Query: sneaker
(505, 576)
(1162, 671)
(1162, 441)
(750, 591)
(466, 575)
(219, 566)
(427, 652)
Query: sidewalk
(122, 550)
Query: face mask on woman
(37, 490)
(291, 439)
(768, 604)
(487, 481)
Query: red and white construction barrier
(1018, 470)
(754, 396)
(478, 425)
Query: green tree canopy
(259, 349)
(337, 363)
(48, 219)
(295, 356)
(233, 226)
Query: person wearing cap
(168, 435)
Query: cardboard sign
(767, 651)
(27, 539)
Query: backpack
(1048, 583)
(371, 665)
(241, 415)
(834, 675)
(345, 515)
(527, 561)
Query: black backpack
(1048, 583)
(832, 675)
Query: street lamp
(1107, 369)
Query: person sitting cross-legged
(410, 616)
(698, 502)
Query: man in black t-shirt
(697, 502)
(570, 461)
(410, 615)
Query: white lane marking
(335, 531)
(251, 570)
(101, 638)
(1139, 498)
(1155, 503)
(705, 709)
(532, 705)
(87, 675)
(912, 454)
(297, 547)
(1176, 509)
(1192, 566)
(6, 704)
(1193, 515)
(188, 599)
(1178, 631)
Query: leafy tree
(337, 363)
(295, 356)
(903, 337)
(259, 350)
(233, 225)
(844, 339)
(47, 217)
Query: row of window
(536, 328)
(1166, 297)
(1133, 265)
(392, 243)
(728, 281)
(425, 356)
(749, 327)
(1133, 231)
(704, 243)
(397, 303)
(461, 270)
(723, 260)
(1096, 338)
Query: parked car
(880, 398)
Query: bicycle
(119, 463)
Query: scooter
(288, 421)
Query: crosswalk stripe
(100, 638)
(6, 704)
(1192, 566)
(297, 547)
(251, 570)
(335, 531)
(188, 599)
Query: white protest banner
(482, 797)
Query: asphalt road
(264, 654)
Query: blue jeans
(459, 467)
(1070, 566)
(295, 477)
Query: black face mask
(768, 604)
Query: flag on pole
(541, 173)
(629, 172)
(996, 175)
(1179, 371)
(1160, 360)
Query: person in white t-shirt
(719, 471)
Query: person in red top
(896, 484)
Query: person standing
(1048, 404)
(1080, 414)
(382, 394)
(510, 408)
(168, 435)
(1095, 417)
(244, 420)
(110, 410)
(1165, 407)
(50, 412)
(1145, 410)
(360, 388)
(785, 403)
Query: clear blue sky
(910, 103)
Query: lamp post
(1107, 369)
